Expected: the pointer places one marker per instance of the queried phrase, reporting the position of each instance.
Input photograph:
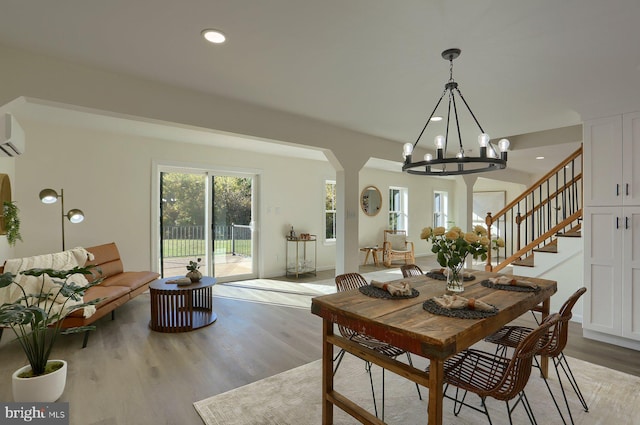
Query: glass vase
(455, 279)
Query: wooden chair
(346, 282)
(396, 246)
(511, 336)
(409, 270)
(490, 375)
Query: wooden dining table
(405, 324)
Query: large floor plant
(36, 317)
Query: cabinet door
(602, 269)
(602, 161)
(631, 273)
(631, 159)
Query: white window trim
(403, 212)
(327, 241)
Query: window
(330, 210)
(398, 208)
(440, 206)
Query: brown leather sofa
(117, 288)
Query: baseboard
(611, 339)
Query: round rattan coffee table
(181, 308)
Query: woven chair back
(409, 270)
(518, 371)
(561, 330)
(346, 282)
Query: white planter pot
(46, 388)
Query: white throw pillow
(398, 241)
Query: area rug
(294, 398)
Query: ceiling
(372, 66)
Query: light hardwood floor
(129, 374)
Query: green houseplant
(193, 273)
(36, 316)
(11, 222)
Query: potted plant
(11, 222)
(193, 273)
(35, 317)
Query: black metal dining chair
(348, 281)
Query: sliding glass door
(232, 234)
(207, 216)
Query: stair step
(527, 262)
(571, 234)
(551, 248)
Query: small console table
(181, 308)
(300, 259)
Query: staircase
(541, 228)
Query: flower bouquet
(452, 248)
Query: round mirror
(371, 200)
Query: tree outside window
(398, 208)
(330, 210)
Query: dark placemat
(487, 283)
(441, 276)
(432, 307)
(375, 292)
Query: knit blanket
(65, 260)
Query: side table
(299, 258)
(181, 308)
(373, 250)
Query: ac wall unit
(12, 141)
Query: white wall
(420, 189)
(488, 185)
(108, 176)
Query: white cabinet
(631, 159)
(611, 219)
(612, 161)
(603, 270)
(631, 273)
(612, 271)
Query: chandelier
(441, 165)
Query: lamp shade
(48, 196)
(75, 216)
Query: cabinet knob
(626, 222)
(617, 189)
(617, 222)
(627, 189)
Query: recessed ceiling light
(213, 36)
(436, 118)
(539, 157)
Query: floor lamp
(50, 196)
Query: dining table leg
(436, 383)
(327, 372)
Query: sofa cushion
(112, 294)
(131, 280)
(107, 258)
